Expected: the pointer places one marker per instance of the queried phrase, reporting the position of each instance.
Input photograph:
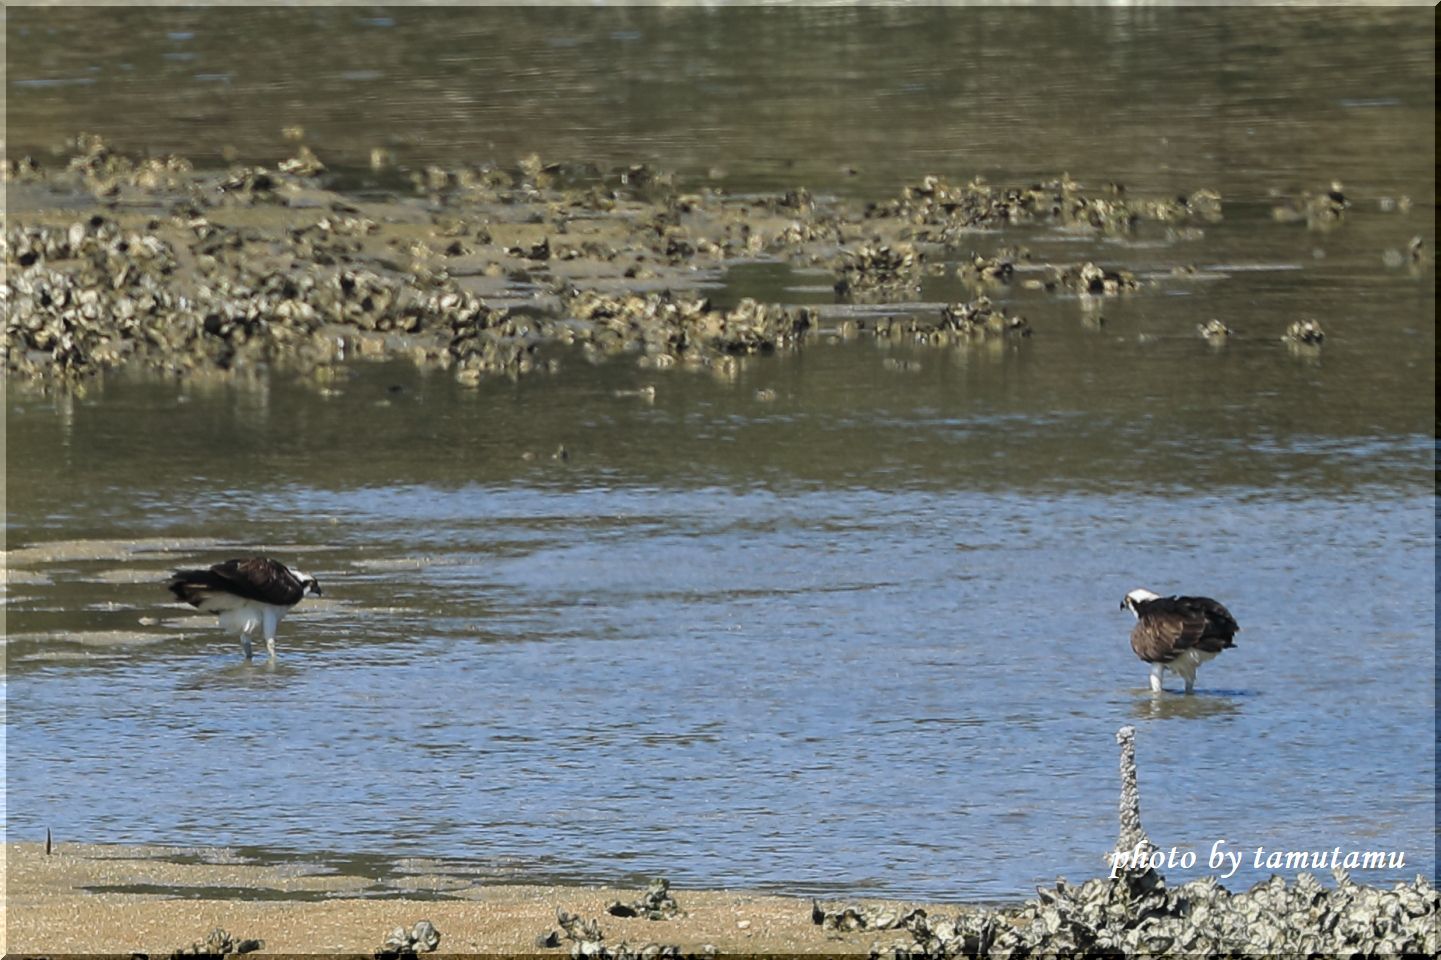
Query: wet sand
(52, 907)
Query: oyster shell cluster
(1137, 914)
(1090, 279)
(944, 213)
(401, 943)
(218, 943)
(489, 270)
(880, 271)
(587, 940)
(669, 328)
(1214, 330)
(979, 272)
(655, 904)
(980, 318)
(1307, 332)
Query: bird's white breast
(242, 616)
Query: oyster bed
(1137, 914)
(483, 269)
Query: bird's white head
(1139, 595)
(309, 586)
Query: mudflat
(90, 898)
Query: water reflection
(1201, 705)
(259, 675)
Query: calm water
(854, 99)
(863, 637)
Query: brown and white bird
(248, 594)
(1178, 633)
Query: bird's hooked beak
(312, 586)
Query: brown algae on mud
(480, 269)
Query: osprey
(248, 594)
(1178, 633)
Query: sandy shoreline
(51, 907)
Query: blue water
(882, 688)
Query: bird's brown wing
(1168, 626)
(1209, 625)
(1161, 638)
(263, 579)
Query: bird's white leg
(1191, 683)
(272, 623)
(1156, 671)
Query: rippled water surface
(893, 668)
(829, 625)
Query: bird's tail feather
(198, 588)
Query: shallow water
(881, 658)
(860, 637)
